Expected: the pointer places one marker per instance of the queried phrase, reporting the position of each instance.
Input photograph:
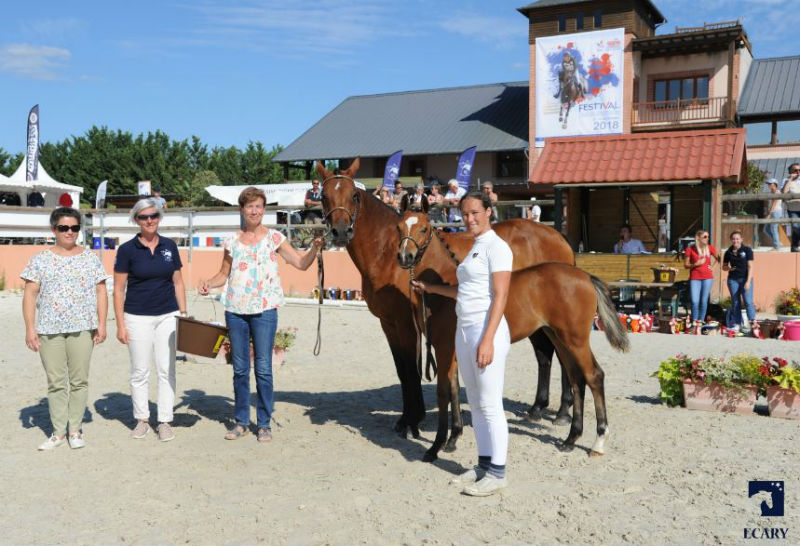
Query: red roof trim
(658, 157)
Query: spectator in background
(534, 212)
(701, 276)
(415, 199)
(436, 214)
(158, 199)
(313, 199)
(64, 201)
(627, 244)
(774, 210)
(488, 189)
(452, 199)
(385, 195)
(738, 262)
(399, 193)
(35, 199)
(792, 185)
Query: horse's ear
(404, 204)
(353, 168)
(425, 205)
(323, 172)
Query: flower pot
(715, 397)
(278, 355)
(784, 403)
(791, 330)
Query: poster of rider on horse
(579, 84)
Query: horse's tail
(615, 333)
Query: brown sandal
(264, 435)
(236, 432)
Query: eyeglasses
(704, 236)
(795, 171)
(63, 229)
(144, 217)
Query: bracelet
(183, 314)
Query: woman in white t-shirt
(482, 341)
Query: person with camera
(627, 244)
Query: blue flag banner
(32, 150)
(464, 172)
(392, 170)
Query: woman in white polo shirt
(482, 341)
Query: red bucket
(791, 330)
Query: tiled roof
(771, 89)
(651, 157)
(492, 117)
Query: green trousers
(65, 358)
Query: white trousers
(149, 337)
(485, 388)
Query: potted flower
(787, 304)
(783, 394)
(284, 339)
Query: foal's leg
(457, 426)
(596, 384)
(544, 349)
(410, 382)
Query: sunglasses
(144, 217)
(63, 229)
(795, 171)
(704, 237)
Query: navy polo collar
(138, 243)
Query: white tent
(50, 189)
(291, 194)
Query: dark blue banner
(32, 151)
(464, 172)
(392, 170)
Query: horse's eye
(424, 230)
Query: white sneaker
(76, 440)
(141, 430)
(51, 443)
(488, 485)
(470, 476)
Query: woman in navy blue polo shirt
(738, 262)
(149, 266)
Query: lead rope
(430, 361)
(321, 283)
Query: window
(579, 22)
(598, 19)
(687, 90)
(512, 165)
(562, 23)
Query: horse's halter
(356, 199)
(420, 248)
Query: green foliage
(285, 338)
(788, 378)
(9, 162)
(788, 302)
(3, 280)
(195, 188)
(755, 178)
(670, 374)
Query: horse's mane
(365, 196)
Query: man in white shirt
(627, 244)
(452, 198)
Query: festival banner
(100, 197)
(464, 170)
(32, 151)
(392, 170)
(579, 84)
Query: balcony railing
(689, 111)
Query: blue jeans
(772, 230)
(736, 288)
(795, 228)
(699, 289)
(261, 329)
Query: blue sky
(234, 71)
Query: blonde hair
(702, 248)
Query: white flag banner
(579, 84)
(100, 197)
(144, 187)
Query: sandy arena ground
(337, 474)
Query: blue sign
(392, 170)
(464, 171)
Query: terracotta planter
(277, 357)
(714, 397)
(784, 403)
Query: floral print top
(67, 299)
(253, 285)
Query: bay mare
(556, 299)
(367, 228)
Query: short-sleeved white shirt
(455, 214)
(488, 255)
(634, 246)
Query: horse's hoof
(450, 445)
(594, 453)
(430, 456)
(534, 414)
(565, 447)
(414, 432)
(403, 432)
(562, 420)
(399, 426)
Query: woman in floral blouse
(66, 284)
(251, 297)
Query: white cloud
(32, 61)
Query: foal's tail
(615, 333)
